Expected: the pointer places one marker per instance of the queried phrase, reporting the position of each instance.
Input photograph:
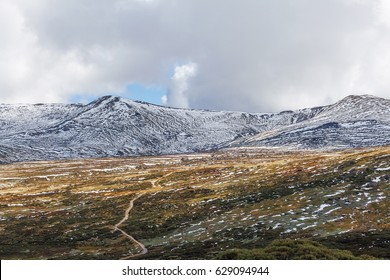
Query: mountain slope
(113, 126)
(355, 121)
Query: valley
(197, 206)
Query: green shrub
(287, 249)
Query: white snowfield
(114, 126)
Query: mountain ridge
(355, 121)
(115, 126)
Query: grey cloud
(251, 55)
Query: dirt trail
(127, 212)
(142, 246)
(155, 184)
(128, 236)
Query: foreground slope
(113, 126)
(197, 206)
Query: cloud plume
(177, 94)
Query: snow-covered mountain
(355, 121)
(113, 126)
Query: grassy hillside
(198, 206)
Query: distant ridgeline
(113, 126)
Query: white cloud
(33, 72)
(164, 100)
(177, 94)
(254, 55)
(383, 12)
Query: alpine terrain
(113, 126)
(120, 179)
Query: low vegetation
(237, 203)
(287, 249)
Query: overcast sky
(247, 55)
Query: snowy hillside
(355, 121)
(113, 126)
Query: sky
(247, 55)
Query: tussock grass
(198, 206)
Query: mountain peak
(107, 98)
(358, 98)
(364, 101)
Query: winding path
(127, 212)
(128, 236)
(115, 228)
